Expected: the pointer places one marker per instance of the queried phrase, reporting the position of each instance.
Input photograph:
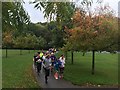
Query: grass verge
(106, 69)
(17, 70)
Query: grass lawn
(17, 70)
(106, 69)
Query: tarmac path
(52, 82)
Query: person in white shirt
(62, 66)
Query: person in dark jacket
(53, 59)
(38, 63)
(35, 59)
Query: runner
(62, 66)
(41, 54)
(57, 65)
(53, 59)
(34, 60)
(47, 66)
(39, 63)
(43, 58)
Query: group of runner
(50, 63)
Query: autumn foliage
(92, 31)
(7, 38)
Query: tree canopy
(93, 31)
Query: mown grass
(17, 70)
(106, 69)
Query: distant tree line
(19, 32)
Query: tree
(30, 41)
(33, 42)
(60, 10)
(60, 13)
(91, 30)
(41, 43)
(14, 19)
(7, 40)
(19, 42)
(14, 16)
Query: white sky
(38, 16)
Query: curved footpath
(60, 83)
(52, 82)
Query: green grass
(17, 70)
(106, 69)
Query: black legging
(38, 67)
(47, 72)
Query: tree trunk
(29, 51)
(20, 51)
(83, 54)
(93, 62)
(6, 52)
(66, 54)
(72, 57)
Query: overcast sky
(37, 15)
